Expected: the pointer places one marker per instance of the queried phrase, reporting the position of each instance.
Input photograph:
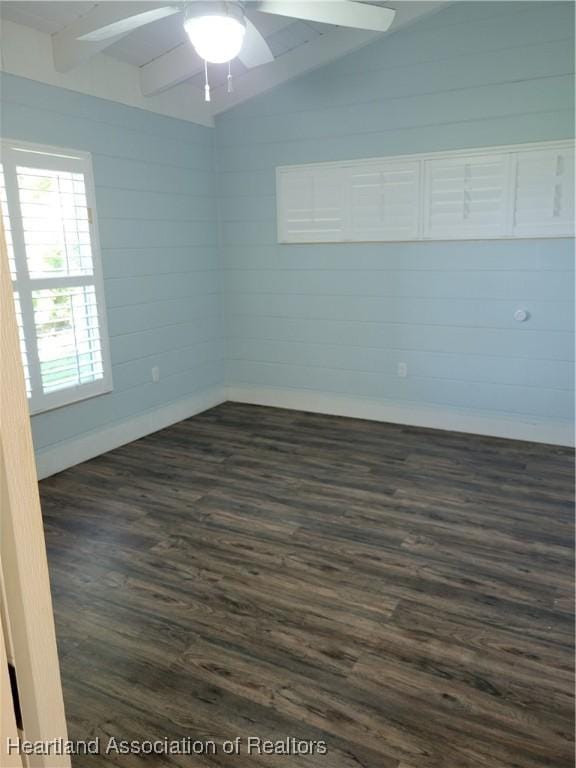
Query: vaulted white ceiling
(164, 58)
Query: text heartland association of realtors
(249, 745)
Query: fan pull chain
(229, 80)
(206, 83)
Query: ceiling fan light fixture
(216, 36)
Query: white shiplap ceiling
(148, 43)
(44, 16)
(310, 43)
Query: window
(497, 192)
(46, 197)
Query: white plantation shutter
(48, 211)
(312, 205)
(497, 192)
(384, 201)
(544, 192)
(466, 197)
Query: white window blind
(47, 205)
(498, 192)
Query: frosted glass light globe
(217, 39)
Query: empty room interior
(287, 384)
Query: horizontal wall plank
(135, 373)
(56, 101)
(539, 345)
(124, 262)
(436, 137)
(551, 403)
(546, 93)
(133, 233)
(513, 106)
(485, 313)
(127, 173)
(451, 256)
(155, 341)
(70, 130)
(140, 317)
(132, 204)
(129, 291)
(354, 88)
(513, 285)
(465, 366)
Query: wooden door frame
(27, 601)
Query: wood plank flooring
(404, 595)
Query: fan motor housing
(197, 8)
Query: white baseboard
(66, 454)
(486, 423)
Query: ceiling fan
(220, 30)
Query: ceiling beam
(170, 69)
(69, 52)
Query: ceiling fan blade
(128, 24)
(343, 14)
(255, 50)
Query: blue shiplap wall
(336, 319)
(157, 216)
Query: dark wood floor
(403, 594)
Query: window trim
(67, 160)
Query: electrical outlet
(402, 370)
(155, 373)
